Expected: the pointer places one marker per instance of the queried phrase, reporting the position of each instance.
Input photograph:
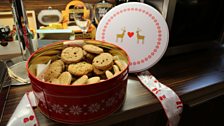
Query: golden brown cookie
(103, 61)
(93, 80)
(109, 74)
(97, 71)
(80, 81)
(58, 63)
(52, 52)
(80, 69)
(72, 54)
(54, 81)
(121, 64)
(92, 49)
(84, 52)
(89, 57)
(116, 57)
(65, 78)
(116, 70)
(40, 60)
(53, 71)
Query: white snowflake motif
(43, 104)
(57, 108)
(75, 110)
(94, 107)
(110, 102)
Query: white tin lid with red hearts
(139, 29)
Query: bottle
(23, 32)
(101, 8)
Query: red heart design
(25, 120)
(130, 34)
(31, 117)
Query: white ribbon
(170, 101)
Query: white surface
(133, 16)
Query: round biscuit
(93, 49)
(97, 71)
(54, 81)
(92, 80)
(72, 54)
(52, 72)
(80, 81)
(80, 69)
(103, 61)
(65, 78)
(58, 63)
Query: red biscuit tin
(79, 104)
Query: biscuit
(116, 57)
(54, 81)
(58, 63)
(56, 57)
(72, 54)
(53, 71)
(92, 49)
(52, 52)
(103, 61)
(65, 78)
(40, 60)
(97, 71)
(80, 81)
(121, 64)
(89, 57)
(93, 80)
(109, 74)
(84, 52)
(116, 70)
(80, 69)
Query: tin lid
(139, 29)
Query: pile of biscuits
(87, 64)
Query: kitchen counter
(196, 77)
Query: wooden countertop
(196, 77)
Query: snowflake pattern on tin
(57, 108)
(85, 109)
(43, 104)
(75, 110)
(110, 102)
(94, 108)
